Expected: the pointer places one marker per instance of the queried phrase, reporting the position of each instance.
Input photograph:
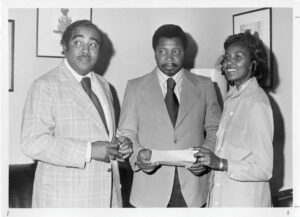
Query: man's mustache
(84, 56)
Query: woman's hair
(256, 49)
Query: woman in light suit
(243, 158)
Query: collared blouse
(245, 139)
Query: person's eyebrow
(95, 39)
(236, 52)
(77, 36)
(240, 52)
(82, 36)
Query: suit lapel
(189, 96)
(153, 95)
(76, 93)
(109, 100)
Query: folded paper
(174, 157)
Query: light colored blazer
(58, 120)
(145, 120)
(247, 123)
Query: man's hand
(104, 151)
(144, 162)
(125, 147)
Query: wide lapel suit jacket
(145, 120)
(58, 120)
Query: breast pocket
(236, 130)
(236, 139)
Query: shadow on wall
(279, 135)
(191, 52)
(105, 55)
(189, 63)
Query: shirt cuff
(88, 152)
(233, 168)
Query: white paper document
(174, 157)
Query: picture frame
(51, 23)
(260, 21)
(11, 45)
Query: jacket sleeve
(38, 124)
(128, 124)
(258, 164)
(212, 117)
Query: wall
(129, 32)
(27, 67)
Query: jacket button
(109, 170)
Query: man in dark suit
(169, 109)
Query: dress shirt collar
(163, 77)
(77, 76)
(234, 92)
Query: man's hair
(169, 31)
(66, 37)
(256, 49)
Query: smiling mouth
(230, 70)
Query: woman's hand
(207, 157)
(197, 169)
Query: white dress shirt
(162, 78)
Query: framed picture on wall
(11, 44)
(51, 23)
(257, 22)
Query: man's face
(169, 55)
(82, 50)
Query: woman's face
(237, 64)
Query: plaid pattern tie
(86, 84)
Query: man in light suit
(152, 124)
(69, 126)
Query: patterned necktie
(86, 84)
(171, 101)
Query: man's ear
(65, 49)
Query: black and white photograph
(115, 106)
